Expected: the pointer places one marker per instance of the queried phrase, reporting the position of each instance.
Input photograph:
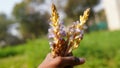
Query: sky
(6, 6)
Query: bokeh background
(24, 26)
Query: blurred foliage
(11, 51)
(4, 23)
(7, 38)
(13, 40)
(75, 8)
(101, 50)
(33, 23)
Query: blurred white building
(112, 9)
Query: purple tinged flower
(71, 30)
(50, 30)
(61, 26)
(62, 23)
(51, 44)
(63, 33)
(79, 36)
(76, 23)
(51, 35)
(77, 30)
(60, 38)
(62, 30)
(71, 38)
(82, 32)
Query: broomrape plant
(63, 40)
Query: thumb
(72, 61)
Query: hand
(61, 62)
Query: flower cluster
(63, 41)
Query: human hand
(61, 62)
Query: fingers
(69, 61)
(72, 61)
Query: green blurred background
(24, 28)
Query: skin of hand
(61, 62)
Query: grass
(18, 61)
(101, 50)
(11, 51)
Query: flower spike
(63, 41)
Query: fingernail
(82, 60)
